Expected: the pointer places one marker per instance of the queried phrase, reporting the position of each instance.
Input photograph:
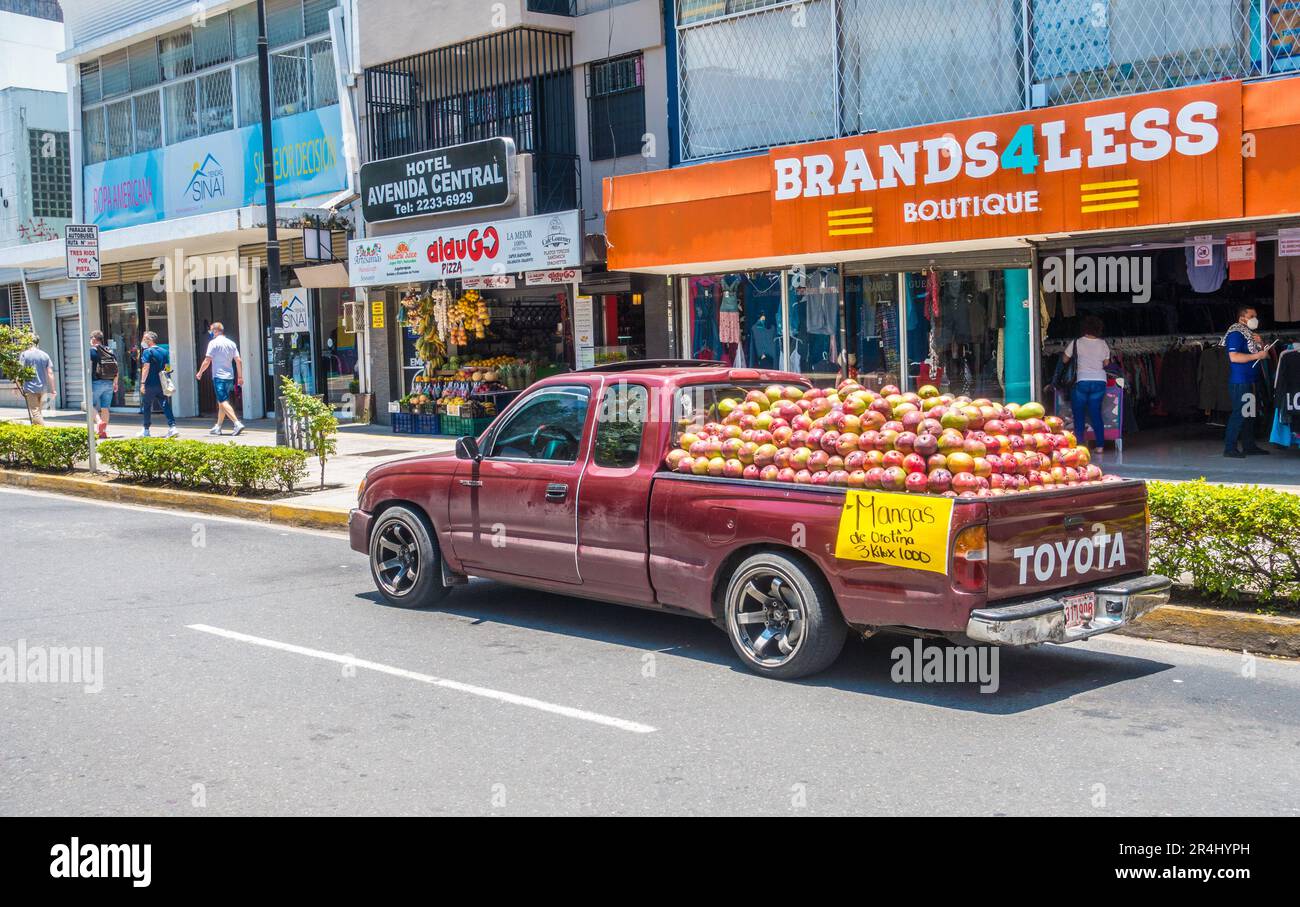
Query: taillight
(970, 558)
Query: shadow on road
(1026, 678)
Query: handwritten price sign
(902, 530)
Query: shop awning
(331, 275)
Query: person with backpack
(103, 380)
(154, 384)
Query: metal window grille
(145, 68)
(51, 173)
(176, 54)
(757, 73)
(119, 129)
(324, 87)
(284, 21)
(288, 82)
(148, 121)
(182, 112)
(516, 83)
(216, 103)
(94, 137)
(616, 106)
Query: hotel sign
(444, 180)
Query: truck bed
(1037, 543)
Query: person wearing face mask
(1245, 350)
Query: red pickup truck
(566, 492)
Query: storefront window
(815, 344)
(955, 331)
(338, 348)
(872, 313)
(122, 334)
(736, 319)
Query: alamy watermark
(1128, 275)
(920, 663)
(84, 665)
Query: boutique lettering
(475, 246)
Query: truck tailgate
(1042, 542)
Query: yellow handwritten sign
(902, 530)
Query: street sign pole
(81, 258)
(279, 342)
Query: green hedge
(198, 464)
(1230, 540)
(42, 447)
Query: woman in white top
(1090, 380)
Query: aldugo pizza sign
(544, 242)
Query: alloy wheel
(768, 616)
(397, 556)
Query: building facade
(579, 91)
(926, 194)
(166, 156)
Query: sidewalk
(359, 448)
(1188, 452)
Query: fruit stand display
(851, 436)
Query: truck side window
(620, 424)
(547, 426)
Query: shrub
(197, 464)
(1228, 539)
(42, 447)
(313, 418)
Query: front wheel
(405, 560)
(780, 617)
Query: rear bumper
(1043, 619)
(359, 530)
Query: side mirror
(467, 449)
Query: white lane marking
(525, 701)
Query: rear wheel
(780, 617)
(405, 561)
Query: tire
(763, 594)
(405, 561)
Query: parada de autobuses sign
(1163, 157)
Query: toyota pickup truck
(566, 491)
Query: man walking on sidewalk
(103, 380)
(35, 390)
(227, 373)
(153, 362)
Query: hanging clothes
(1208, 278)
(1286, 288)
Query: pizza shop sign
(543, 242)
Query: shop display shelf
(461, 426)
(416, 424)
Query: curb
(303, 517)
(1261, 634)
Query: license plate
(1079, 609)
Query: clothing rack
(1161, 343)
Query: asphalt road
(512, 702)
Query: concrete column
(252, 348)
(180, 345)
(379, 354)
(1015, 337)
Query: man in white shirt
(227, 373)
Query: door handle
(471, 483)
(557, 491)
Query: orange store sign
(1158, 158)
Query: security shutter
(71, 375)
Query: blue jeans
(1241, 425)
(147, 396)
(1085, 399)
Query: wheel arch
(735, 558)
